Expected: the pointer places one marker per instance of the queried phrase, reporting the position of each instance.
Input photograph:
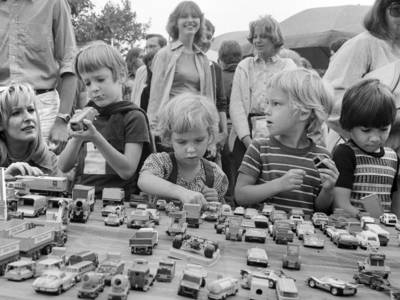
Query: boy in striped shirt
(280, 169)
(366, 167)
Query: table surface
(94, 235)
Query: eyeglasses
(394, 9)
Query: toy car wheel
(209, 251)
(59, 291)
(177, 242)
(271, 284)
(311, 283)
(203, 282)
(334, 291)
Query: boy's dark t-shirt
(120, 123)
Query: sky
(226, 15)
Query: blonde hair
(185, 112)
(271, 29)
(307, 92)
(11, 96)
(99, 55)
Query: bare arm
(329, 177)
(342, 200)
(152, 184)
(69, 155)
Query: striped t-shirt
(367, 173)
(268, 159)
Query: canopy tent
(311, 31)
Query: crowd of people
(172, 123)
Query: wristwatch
(64, 117)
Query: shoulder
(245, 63)
(160, 158)
(286, 63)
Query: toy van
(92, 285)
(49, 264)
(368, 239)
(286, 289)
(20, 270)
(222, 288)
(84, 255)
(383, 234)
(81, 268)
(32, 205)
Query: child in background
(280, 169)
(114, 146)
(22, 149)
(366, 167)
(188, 123)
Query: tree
(115, 24)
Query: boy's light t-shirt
(267, 159)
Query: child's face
(101, 87)
(22, 124)
(281, 116)
(189, 147)
(370, 139)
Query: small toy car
(226, 210)
(193, 278)
(368, 239)
(195, 244)
(166, 270)
(92, 285)
(292, 258)
(313, 241)
(255, 235)
(142, 206)
(345, 239)
(20, 270)
(366, 220)
(54, 281)
(177, 223)
(87, 113)
(267, 209)
(108, 209)
(115, 219)
(212, 211)
(233, 228)
(139, 275)
(161, 204)
(139, 218)
(222, 288)
(260, 221)
(388, 219)
(250, 213)
(333, 285)
(257, 257)
(304, 228)
(154, 215)
(239, 211)
(319, 219)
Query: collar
(272, 59)
(374, 154)
(178, 44)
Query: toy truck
(222, 288)
(45, 185)
(113, 196)
(233, 228)
(14, 226)
(193, 278)
(375, 263)
(139, 275)
(193, 214)
(143, 241)
(92, 285)
(87, 113)
(9, 252)
(110, 266)
(32, 205)
(292, 259)
(166, 270)
(36, 241)
(119, 288)
(372, 279)
(84, 192)
(80, 210)
(177, 223)
(282, 232)
(195, 244)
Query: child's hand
(87, 135)
(23, 168)
(328, 175)
(189, 196)
(210, 194)
(292, 180)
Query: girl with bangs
(22, 149)
(189, 124)
(181, 66)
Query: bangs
(14, 96)
(189, 121)
(189, 8)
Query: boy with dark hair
(366, 167)
(111, 149)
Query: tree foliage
(115, 23)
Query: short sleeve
(345, 161)
(251, 164)
(158, 164)
(136, 128)
(220, 182)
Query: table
(94, 235)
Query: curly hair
(271, 28)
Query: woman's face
(393, 19)
(188, 24)
(262, 43)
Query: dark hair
(271, 28)
(375, 19)
(182, 8)
(133, 60)
(230, 52)
(335, 46)
(368, 103)
(162, 41)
